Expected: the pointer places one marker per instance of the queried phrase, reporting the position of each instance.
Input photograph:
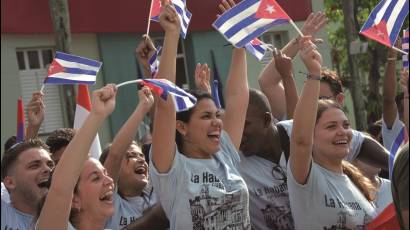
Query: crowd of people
(271, 159)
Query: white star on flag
(270, 9)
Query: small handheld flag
(154, 62)
(20, 121)
(257, 48)
(71, 69)
(82, 110)
(400, 139)
(247, 20)
(385, 21)
(405, 47)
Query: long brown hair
(354, 174)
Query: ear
(76, 202)
(340, 98)
(267, 119)
(181, 128)
(9, 183)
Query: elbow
(301, 141)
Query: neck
(130, 191)
(192, 151)
(86, 222)
(334, 165)
(272, 150)
(24, 206)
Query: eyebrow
(93, 173)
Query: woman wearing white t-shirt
(325, 192)
(197, 180)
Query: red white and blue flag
(249, 19)
(82, 110)
(182, 10)
(20, 135)
(154, 62)
(385, 21)
(401, 139)
(405, 48)
(182, 100)
(71, 69)
(257, 48)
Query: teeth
(107, 196)
(341, 142)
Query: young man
(25, 172)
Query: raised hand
(310, 56)
(103, 101)
(144, 51)
(283, 64)
(314, 23)
(146, 99)
(225, 5)
(35, 109)
(169, 19)
(203, 77)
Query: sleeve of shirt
(166, 184)
(288, 125)
(389, 135)
(355, 145)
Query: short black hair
(10, 142)
(259, 101)
(11, 155)
(60, 138)
(331, 78)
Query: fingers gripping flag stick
(248, 20)
(20, 121)
(154, 62)
(82, 110)
(71, 69)
(385, 22)
(405, 47)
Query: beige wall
(84, 45)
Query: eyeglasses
(279, 174)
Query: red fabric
(83, 98)
(54, 68)
(387, 220)
(270, 9)
(104, 16)
(379, 33)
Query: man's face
(326, 93)
(30, 175)
(254, 132)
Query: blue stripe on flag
(259, 32)
(399, 23)
(80, 71)
(51, 80)
(233, 12)
(73, 58)
(240, 25)
(395, 147)
(370, 22)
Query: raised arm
(35, 112)
(163, 137)
(404, 83)
(374, 154)
(301, 141)
(203, 77)
(389, 90)
(126, 135)
(144, 52)
(284, 67)
(56, 210)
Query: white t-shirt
(384, 196)
(12, 219)
(5, 196)
(268, 193)
(355, 144)
(204, 193)
(328, 201)
(130, 209)
(389, 135)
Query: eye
(96, 178)
(330, 126)
(33, 166)
(206, 116)
(346, 125)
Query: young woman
(81, 192)
(196, 179)
(126, 164)
(325, 192)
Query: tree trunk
(356, 90)
(374, 97)
(61, 24)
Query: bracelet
(391, 59)
(314, 77)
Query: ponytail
(362, 183)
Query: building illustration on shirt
(217, 213)
(342, 222)
(278, 217)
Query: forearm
(291, 49)
(122, 141)
(389, 94)
(32, 131)
(167, 65)
(291, 95)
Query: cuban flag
(154, 62)
(385, 21)
(257, 48)
(405, 48)
(182, 100)
(401, 139)
(71, 69)
(20, 135)
(249, 19)
(183, 13)
(82, 110)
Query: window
(182, 79)
(33, 64)
(278, 39)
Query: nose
(217, 122)
(108, 180)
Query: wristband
(391, 59)
(313, 77)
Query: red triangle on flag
(54, 68)
(270, 9)
(379, 33)
(256, 41)
(83, 97)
